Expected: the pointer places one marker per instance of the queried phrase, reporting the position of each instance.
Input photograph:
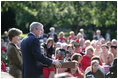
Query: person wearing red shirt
(86, 59)
(3, 66)
(61, 37)
(60, 55)
(76, 71)
(79, 35)
(50, 51)
(77, 57)
(72, 36)
(3, 48)
(77, 48)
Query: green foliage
(23, 36)
(66, 14)
(4, 58)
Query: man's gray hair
(35, 25)
(52, 28)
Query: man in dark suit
(98, 35)
(113, 68)
(53, 34)
(33, 59)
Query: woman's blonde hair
(61, 33)
(72, 32)
(90, 48)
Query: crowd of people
(32, 56)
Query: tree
(67, 14)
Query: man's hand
(57, 63)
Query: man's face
(39, 31)
(52, 30)
(98, 33)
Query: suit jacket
(55, 36)
(33, 59)
(113, 69)
(15, 60)
(96, 38)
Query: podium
(66, 65)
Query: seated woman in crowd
(76, 71)
(98, 48)
(72, 36)
(95, 71)
(106, 56)
(87, 43)
(77, 57)
(61, 37)
(79, 35)
(86, 59)
(49, 52)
